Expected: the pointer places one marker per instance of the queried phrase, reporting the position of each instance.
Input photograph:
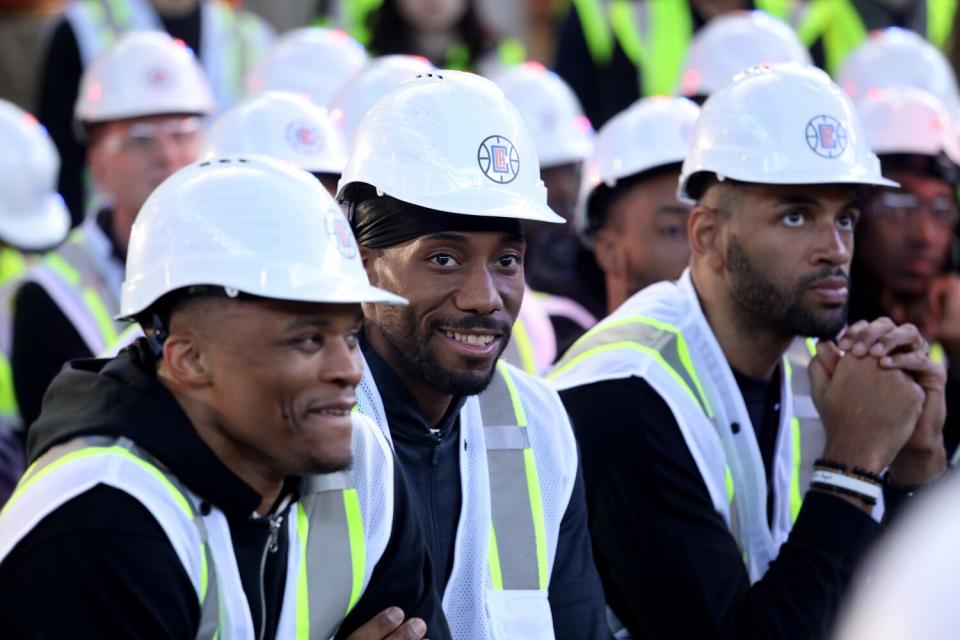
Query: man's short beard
(413, 352)
(767, 306)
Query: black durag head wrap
(379, 222)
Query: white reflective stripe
(70, 301)
(237, 621)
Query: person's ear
(607, 251)
(185, 361)
(704, 229)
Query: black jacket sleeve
(100, 566)
(576, 596)
(43, 341)
(404, 575)
(662, 550)
(59, 86)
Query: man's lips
(475, 341)
(832, 290)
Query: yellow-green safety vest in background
(231, 40)
(839, 25)
(654, 35)
(13, 265)
(352, 17)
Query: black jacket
(100, 566)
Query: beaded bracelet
(862, 489)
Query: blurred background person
(227, 41)
(629, 211)
(139, 106)
(904, 266)
(280, 125)
(832, 29)
(613, 52)
(313, 61)
(563, 278)
(364, 87)
(33, 217)
(732, 42)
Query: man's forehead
(801, 194)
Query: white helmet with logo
(552, 112)
(32, 213)
(253, 225)
(785, 124)
(313, 61)
(909, 121)
(730, 43)
(144, 73)
(450, 141)
(898, 57)
(362, 90)
(652, 133)
(280, 125)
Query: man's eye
(352, 339)
(509, 261)
(793, 218)
(846, 222)
(443, 260)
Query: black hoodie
(100, 566)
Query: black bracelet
(868, 500)
(910, 489)
(862, 473)
(830, 464)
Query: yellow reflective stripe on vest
(520, 338)
(659, 58)
(663, 342)
(517, 532)
(358, 547)
(303, 588)
(91, 298)
(9, 408)
(596, 30)
(778, 8)
(12, 265)
(937, 354)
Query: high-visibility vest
(653, 35)
(337, 531)
(518, 464)
(533, 341)
(839, 25)
(13, 265)
(83, 279)
(662, 336)
(231, 40)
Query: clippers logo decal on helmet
(498, 159)
(826, 136)
(159, 78)
(340, 234)
(303, 137)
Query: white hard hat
(144, 73)
(32, 213)
(735, 41)
(909, 121)
(784, 124)
(313, 61)
(280, 125)
(652, 133)
(450, 141)
(362, 90)
(552, 113)
(898, 57)
(253, 225)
